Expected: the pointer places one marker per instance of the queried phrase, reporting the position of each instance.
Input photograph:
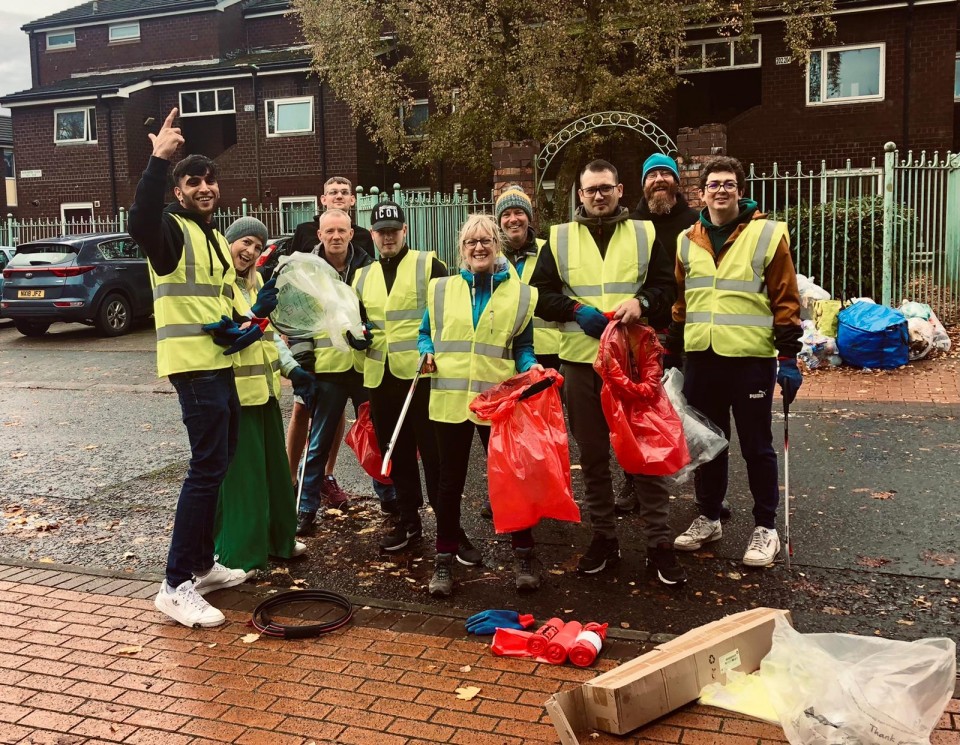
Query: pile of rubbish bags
(863, 334)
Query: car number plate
(29, 293)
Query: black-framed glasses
(664, 173)
(474, 242)
(715, 186)
(604, 190)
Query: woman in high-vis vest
(257, 510)
(476, 333)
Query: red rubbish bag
(528, 460)
(645, 431)
(363, 441)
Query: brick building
(107, 71)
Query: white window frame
(702, 43)
(403, 117)
(277, 103)
(823, 52)
(86, 125)
(956, 79)
(61, 32)
(216, 98)
(121, 39)
(64, 206)
(293, 200)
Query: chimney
(96, 6)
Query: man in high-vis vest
(393, 292)
(604, 262)
(192, 274)
(736, 315)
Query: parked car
(6, 253)
(100, 279)
(275, 248)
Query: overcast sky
(15, 61)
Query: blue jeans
(211, 412)
(333, 390)
(744, 385)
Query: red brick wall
(272, 31)
(784, 129)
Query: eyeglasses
(663, 173)
(474, 242)
(715, 186)
(338, 192)
(604, 190)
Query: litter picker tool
(385, 469)
(788, 546)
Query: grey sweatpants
(581, 392)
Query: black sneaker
(305, 523)
(603, 552)
(662, 560)
(467, 554)
(528, 569)
(441, 583)
(400, 536)
(725, 512)
(626, 500)
(391, 508)
(486, 512)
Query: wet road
(94, 453)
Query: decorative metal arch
(584, 124)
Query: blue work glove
(266, 300)
(304, 386)
(224, 326)
(365, 341)
(789, 378)
(244, 339)
(488, 621)
(591, 320)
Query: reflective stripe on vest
(727, 305)
(602, 282)
(197, 292)
(397, 315)
(257, 367)
(465, 366)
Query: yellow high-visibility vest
(197, 292)
(546, 334)
(395, 316)
(727, 306)
(471, 361)
(257, 367)
(602, 282)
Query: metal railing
(13, 232)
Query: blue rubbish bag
(873, 336)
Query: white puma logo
(758, 394)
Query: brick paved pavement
(935, 381)
(87, 659)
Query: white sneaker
(299, 549)
(185, 606)
(220, 577)
(702, 530)
(763, 548)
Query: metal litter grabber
(385, 469)
(787, 545)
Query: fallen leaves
(882, 495)
(831, 611)
(131, 650)
(873, 562)
(467, 693)
(249, 638)
(944, 560)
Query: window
(10, 169)
(417, 117)
(287, 116)
(61, 40)
(845, 74)
(295, 210)
(207, 102)
(125, 31)
(76, 217)
(75, 125)
(956, 79)
(718, 54)
(119, 250)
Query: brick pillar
(513, 164)
(696, 145)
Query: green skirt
(257, 511)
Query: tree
(554, 60)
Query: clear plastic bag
(313, 300)
(841, 689)
(705, 440)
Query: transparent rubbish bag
(312, 300)
(705, 440)
(842, 689)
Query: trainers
(763, 548)
(185, 606)
(220, 577)
(400, 535)
(603, 551)
(527, 568)
(702, 530)
(299, 549)
(390, 507)
(725, 512)
(467, 554)
(441, 583)
(486, 512)
(662, 559)
(305, 522)
(331, 492)
(626, 500)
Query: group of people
(719, 284)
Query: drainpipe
(907, 49)
(256, 131)
(111, 155)
(323, 137)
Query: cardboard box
(673, 674)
